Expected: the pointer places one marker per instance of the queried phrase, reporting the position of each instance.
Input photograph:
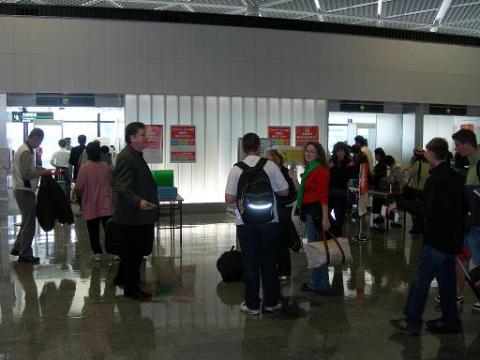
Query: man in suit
(135, 209)
(75, 155)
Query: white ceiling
(461, 17)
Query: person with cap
(418, 173)
(25, 183)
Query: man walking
(75, 155)
(466, 145)
(25, 183)
(257, 224)
(135, 209)
(444, 212)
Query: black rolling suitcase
(471, 277)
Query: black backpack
(230, 265)
(255, 198)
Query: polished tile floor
(67, 307)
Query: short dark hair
(466, 136)
(379, 151)
(93, 151)
(105, 149)
(132, 129)
(360, 140)
(36, 133)
(82, 139)
(439, 147)
(389, 160)
(62, 143)
(250, 142)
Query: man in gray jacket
(25, 184)
(135, 209)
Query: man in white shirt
(258, 241)
(59, 161)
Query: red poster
(280, 135)
(304, 134)
(467, 126)
(153, 153)
(182, 144)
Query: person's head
(379, 154)
(112, 148)
(360, 140)
(355, 149)
(68, 142)
(105, 149)
(275, 156)
(135, 135)
(35, 137)
(340, 152)
(465, 142)
(418, 154)
(312, 151)
(62, 143)
(389, 161)
(251, 143)
(437, 151)
(93, 151)
(82, 139)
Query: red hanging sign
(280, 135)
(182, 144)
(305, 134)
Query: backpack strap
(242, 165)
(261, 163)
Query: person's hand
(325, 223)
(45, 172)
(145, 205)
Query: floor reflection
(68, 307)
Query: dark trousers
(286, 234)
(339, 207)
(93, 226)
(138, 242)
(259, 244)
(433, 264)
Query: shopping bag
(331, 252)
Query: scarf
(309, 168)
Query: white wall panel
(249, 115)
(131, 109)
(286, 112)
(145, 109)
(389, 134)
(273, 111)
(185, 170)
(198, 169)
(309, 112)
(211, 149)
(225, 141)
(408, 138)
(172, 113)
(262, 117)
(237, 126)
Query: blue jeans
(472, 241)
(318, 276)
(433, 264)
(259, 244)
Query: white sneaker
(115, 258)
(244, 308)
(97, 257)
(272, 309)
(460, 300)
(476, 308)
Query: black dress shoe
(438, 326)
(404, 327)
(137, 294)
(14, 252)
(29, 259)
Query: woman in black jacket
(288, 234)
(341, 171)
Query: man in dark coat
(75, 155)
(135, 209)
(444, 211)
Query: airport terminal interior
(200, 75)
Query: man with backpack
(252, 185)
(466, 145)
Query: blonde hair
(274, 154)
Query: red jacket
(316, 187)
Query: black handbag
(114, 238)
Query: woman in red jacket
(313, 202)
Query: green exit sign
(28, 117)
